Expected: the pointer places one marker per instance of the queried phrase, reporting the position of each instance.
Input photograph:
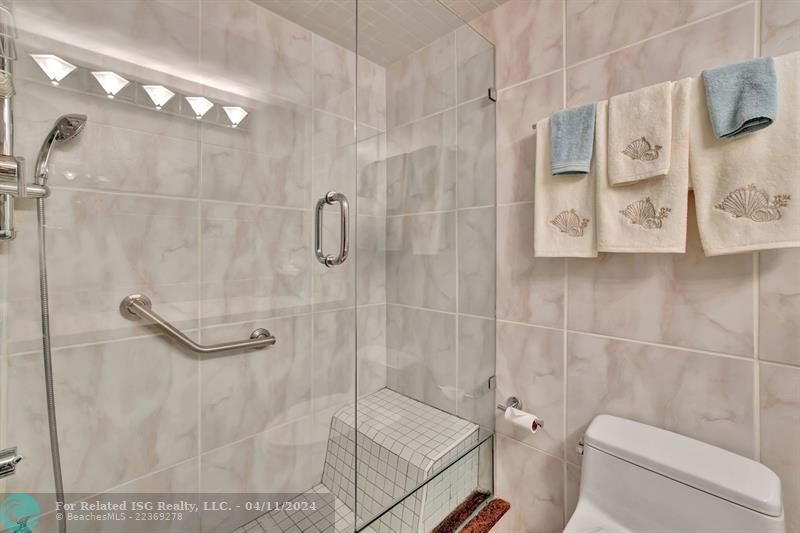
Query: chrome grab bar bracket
(139, 306)
(332, 198)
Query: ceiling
(387, 29)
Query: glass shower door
(214, 127)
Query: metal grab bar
(331, 198)
(139, 306)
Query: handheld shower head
(66, 128)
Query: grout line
(434, 114)
(757, 288)
(450, 313)
(457, 270)
(437, 212)
(199, 407)
(513, 204)
(529, 80)
(662, 34)
(779, 364)
(758, 7)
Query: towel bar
(139, 306)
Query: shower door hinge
(492, 94)
(492, 383)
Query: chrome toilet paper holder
(513, 401)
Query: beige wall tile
(594, 28)
(711, 43)
(686, 300)
(780, 434)
(527, 35)
(517, 110)
(706, 397)
(529, 290)
(779, 306)
(533, 483)
(780, 27)
(530, 366)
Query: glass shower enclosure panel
(425, 410)
(214, 184)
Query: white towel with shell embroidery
(648, 216)
(747, 189)
(639, 134)
(563, 219)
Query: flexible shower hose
(48, 367)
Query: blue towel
(572, 140)
(741, 98)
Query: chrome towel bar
(139, 306)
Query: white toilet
(641, 479)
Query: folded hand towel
(747, 193)
(571, 140)
(639, 132)
(741, 98)
(648, 216)
(563, 220)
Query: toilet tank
(644, 479)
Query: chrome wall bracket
(492, 94)
(8, 461)
(139, 306)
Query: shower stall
(271, 257)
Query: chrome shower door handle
(332, 198)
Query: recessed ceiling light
(200, 105)
(53, 66)
(235, 114)
(159, 94)
(111, 82)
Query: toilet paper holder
(513, 401)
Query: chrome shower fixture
(66, 128)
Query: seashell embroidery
(641, 150)
(753, 203)
(570, 222)
(643, 213)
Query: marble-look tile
(422, 83)
(779, 23)
(255, 262)
(686, 52)
(528, 37)
(100, 248)
(594, 28)
(371, 170)
(476, 261)
(780, 434)
(529, 290)
(334, 77)
(371, 348)
(702, 396)
(371, 94)
(779, 306)
(517, 110)
(476, 153)
(530, 366)
(370, 260)
(533, 483)
(247, 392)
(474, 64)
(476, 364)
(273, 462)
(268, 162)
(147, 419)
(573, 489)
(421, 260)
(164, 34)
(253, 52)
(333, 371)
(421, 165)
(116, 159)
(421, 350)
(688, 300)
